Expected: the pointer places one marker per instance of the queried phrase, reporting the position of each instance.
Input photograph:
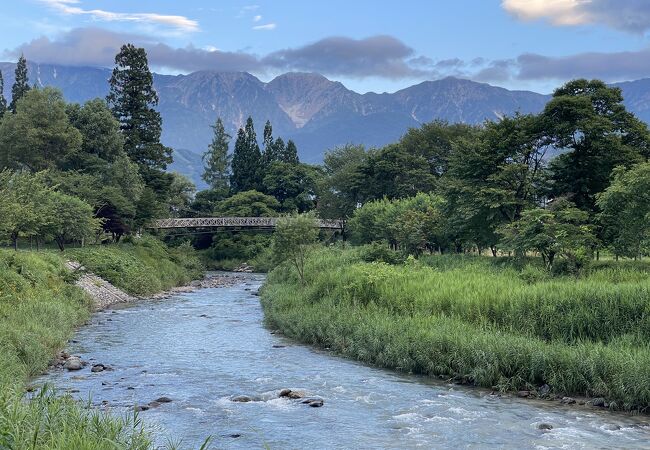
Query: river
(202, 348)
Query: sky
(379, 46)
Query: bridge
(260, 223)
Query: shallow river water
(201, 348)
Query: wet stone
(523, 394)
(164, 399)
(545, 426)
(568, 400)
(598, 401)
(241, 399)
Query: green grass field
(485, 321)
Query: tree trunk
(60, 243)
(494, 250)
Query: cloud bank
(376, 56)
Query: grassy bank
(39, 310)
(477, 320)
(143, 266)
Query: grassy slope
(39, 310)
(477, 322)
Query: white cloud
(627, 15)
(267, 27)
(257, 18)
(180, 23)
(559, 12)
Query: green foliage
(472, 321)
(216, 171)
(21, 83)
(625, 207)
(180, 196)
(144, 266)
(292, 184)
(132, 99)
(246, 161)
(71, 219)
(560, 229)
(248, 204)
(292, 239)
(589, 118)
(340, 192)
(100, 131)
(39, 135)
(412, 225)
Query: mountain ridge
(317, 113)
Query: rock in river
(314, 402)
(163, 399)
(545, 426)
(73, 363)
(241, 399)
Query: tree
(588, 119)
(293, 185)
(132, 99)
(181, 194)
(71, 219)
(246, 160)
(39, 135)
(216, 170)
(341, 189)
(100, 132)
(21, 83)
(3, 100)
(625, 215)
(249, 204)
(270, 152)
(290, 153)
(25, 210)
(292, 239)
(561, 229)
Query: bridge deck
(233, 222)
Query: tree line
(567, 182)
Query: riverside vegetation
(39, 310)
(486, 322)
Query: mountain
(317, 113)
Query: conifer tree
(3, 100)
(246, 160)
(270, 154)
(216, 159)
(290, 153)
(21, 83)
(132, 99)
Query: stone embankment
(103, 293)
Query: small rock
(567, 400)
(98, 368)
(130, 388)
(544, 390)
(523, 394)
(153, 404)
(545, 426)
(598, 401)
(73, 363)
(612, 427)
(314, 402)
(279, 346)
(234, 435)
(164, 400)
(296, 395)
(241, 399)
(141, 408)
(284, 393)
(203, 315)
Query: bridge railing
(233, 222)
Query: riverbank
(479, 324)
(40, 307)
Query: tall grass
(477, 320)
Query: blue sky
(368, 45)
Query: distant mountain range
(318, 114)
